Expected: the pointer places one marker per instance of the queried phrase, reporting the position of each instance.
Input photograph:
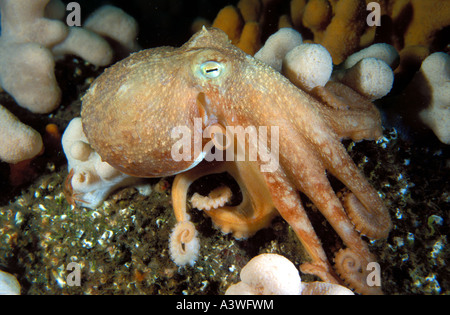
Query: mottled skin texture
(129, 111)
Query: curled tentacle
(365, 222)
(71, 197)
(184, 244)
(321, 269)
(217, 198)
(352, 268)
(256, 210)
(324, 288)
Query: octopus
(134, 113)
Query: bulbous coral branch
(18, 142)
(434, 75)
(277, 46)
(381, 51)
(27, 66)
(113, 23)
(269, 274)
(8, 284)
(29, 42)
(276, 275)
(342, 35)
(91, 179)
(371, 77)
(368, 71)
(23, 21)
(87, 45)
(308, 66)
(27, 73)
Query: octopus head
(135, 112)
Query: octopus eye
(211, 69)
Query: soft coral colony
(413, 28)
(210, 79)
(32, 37)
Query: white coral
(26, 64)
(277, 46)
(8, 284)
(308, 66)
(114, 23)
(433, 80)
(370, 77)
(93, 180)
(381, 51)
(369, 71)
(184, 244)
(276, 275)
(18, 142)
(28, 44)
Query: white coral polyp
(18, 142)
(434, 78)
(308, 66)
(272, 274)
(8, 284)
(93, 179)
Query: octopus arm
(308, 175)
(317, 141)
(289, 205)
(350, 115)
(256, 210)
(363, 205)
(307, 161)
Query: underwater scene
(195, 147)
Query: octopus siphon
(206, 108)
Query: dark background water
(161, 22)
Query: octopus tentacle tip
(374, 226)
(184, 244)
(353, 269)
(216, 199)
(321, 270)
